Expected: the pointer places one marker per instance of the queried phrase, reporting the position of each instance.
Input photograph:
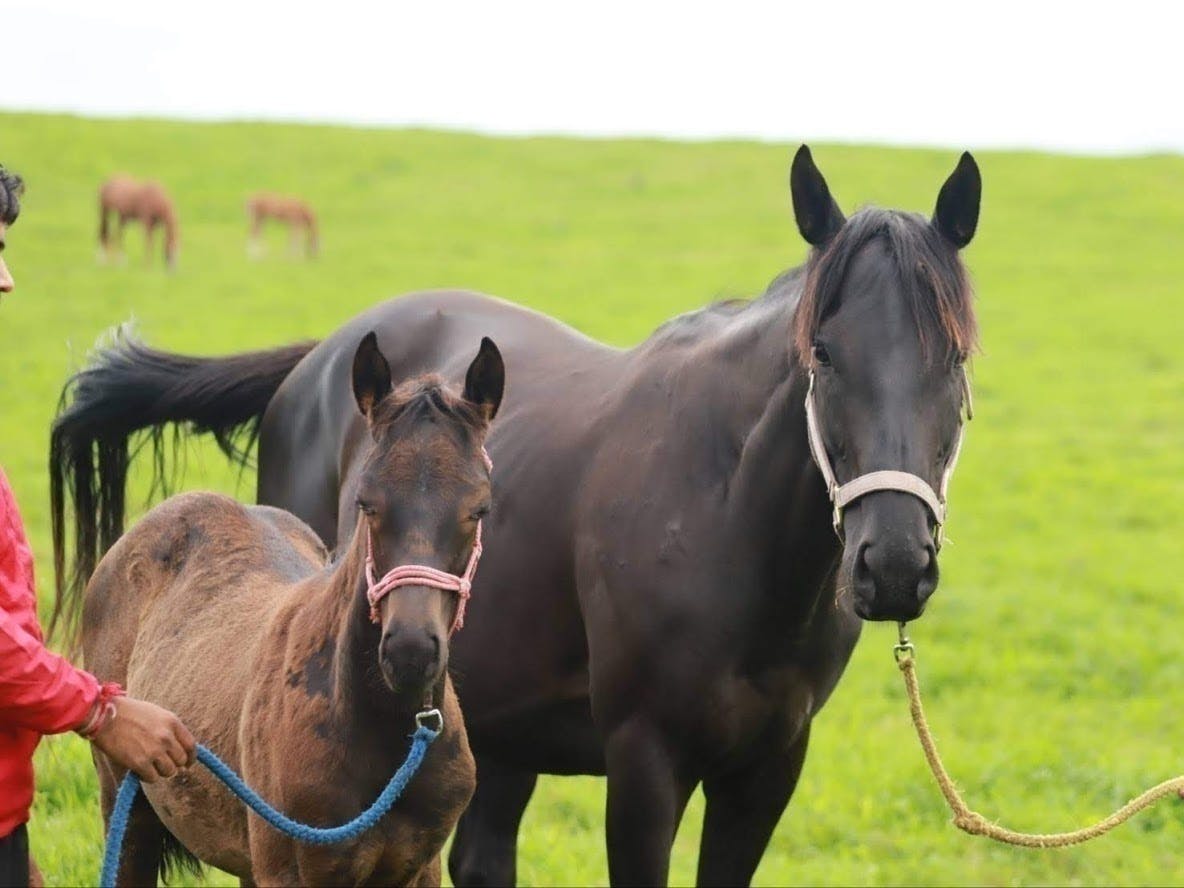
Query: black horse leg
(485, 846)
(742, 811)
(647, 794)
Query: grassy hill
(1050, 656)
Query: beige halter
(842, 495)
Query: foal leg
(485, 846)
(647, 794)
(743, 809)
(255, 238)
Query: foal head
(885, 324)
(421, 494)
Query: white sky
(1091, 77)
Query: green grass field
(1050, 656)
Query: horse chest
(745, 716)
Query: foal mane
(932, 276)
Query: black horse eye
(365, 507)
(821, 355)
(480, 513)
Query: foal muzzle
(842, 495)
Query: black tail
(130, 389)
(177, 860)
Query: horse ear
(956, 216)
(818, 216)
(485, 380)
(371, 376)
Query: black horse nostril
(863, 570)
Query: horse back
(195, 562)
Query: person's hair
(11, 189)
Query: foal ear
(485, 380)
(818, 216)
(372, 374)
(956, 216)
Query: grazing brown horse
(664, 554)
(127, 199)
(290, 211)
(230, 615)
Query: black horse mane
(932, 276)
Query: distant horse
(127, 199)
(290, 211)
(665, 598)
(230, 616)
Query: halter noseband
(842, 495)
(423, 575)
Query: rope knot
(970, 822)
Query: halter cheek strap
(842, 495)
(423, 575)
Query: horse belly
(204, 817)
(204, 691)
(557, 737)
(201, 674)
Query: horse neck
(737, 393)
(363, 705)
(776, 500)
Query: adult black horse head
(885, 326)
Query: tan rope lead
(973, 822)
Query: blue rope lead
(301, 832)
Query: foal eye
(480, 513)
(821, 355)
(365, 507)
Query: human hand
(146, 739)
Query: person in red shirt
(41, 692)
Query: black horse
(664, 599)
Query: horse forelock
(428, 400)
(933, 279)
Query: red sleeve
(39, 690)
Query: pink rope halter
(422, 575)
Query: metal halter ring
(904, 648)
(421, 719)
